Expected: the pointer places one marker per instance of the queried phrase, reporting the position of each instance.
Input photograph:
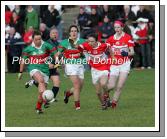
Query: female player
(74, 70)
(122, 48)
(99, 63)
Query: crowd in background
(21, 21)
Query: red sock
(38, 105)
(69, 93)
(44, 101)
(77, 104)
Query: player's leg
(103, 80)
(112, 82)
(118, 89)
(98, 92)
(31, 83)
(54, 76)
(77, 89)
(37, 76)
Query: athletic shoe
(104, 106)
(46, 105)
(53, 100)
(77, 108)
(109, 103)
(39, 111)
(29, 83)
(66, 96)
(114, 104)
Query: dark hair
(36, 33)
(75, 26)
(93, 36)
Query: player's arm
(58, 56)
(25, 55)
(20, 74)
(130, 50)
(131, 45)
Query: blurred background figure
(128, 14)
(106, 29)
(44, 31)
(52, 18)
(144, 13)
(14, 50)
(31, 18)
(28, 36)
(20, 16)
(141, 32)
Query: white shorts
(46, 78)
(75, 69)
(115, 70)
(96, 74)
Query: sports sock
(77, 104)
(69, 94)
(55, 90)
(38, 105)
(35, 83)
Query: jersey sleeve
(110, 40)
(25, 53)
(83, 47)
(61, 47)
(131, 42)
(52, 50)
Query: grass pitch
(136, 106)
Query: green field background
(136, 106)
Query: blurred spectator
(128, 14)
(8, 15)
(59, 27)
(11, 7)
(14, 22)
(106, 29)
(14, 50)
(143, 13)
(44, 31)
(151, 36)
(87, 8)
(135, 9)
(94, 18)
(43, 9)
(107, 11)
(82, 18)
(21, 17)
(142, 39)
(118, 10)
(51, 17)
(28, 36)
(31, 18)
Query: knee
(41, 81)
(56, 82)
(111, 86)
(118, 88)
(76, 84)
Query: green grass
(135, 109)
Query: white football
(48, 95)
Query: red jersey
(119, 45)
(142, 33)
(97, 57)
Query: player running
(100, 66)
(36, 55)
(74, 70)
(122, 47)
(53, 69)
